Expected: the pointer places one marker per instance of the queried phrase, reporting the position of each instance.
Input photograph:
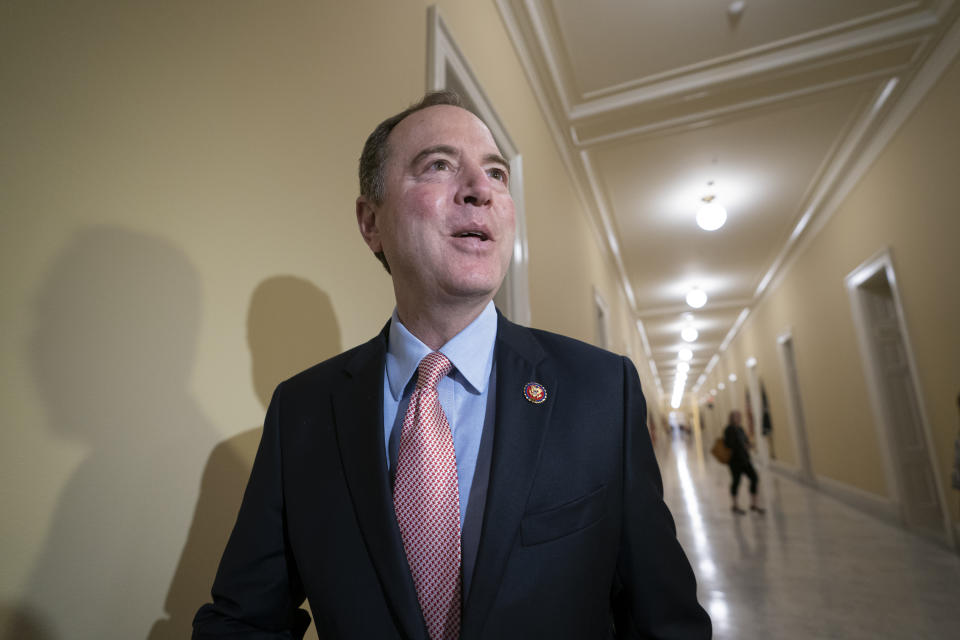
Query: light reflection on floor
(811, 567)
(704, 565)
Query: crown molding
(766, 60)
(830, 199)
(583, 184)
(836, 41)
(831, 177)
(547, 47)
(728, 112)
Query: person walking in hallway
(736, 440)
(458, 476)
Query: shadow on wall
(291, 325)
(22, 622)
(112, 351)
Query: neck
(435, 324)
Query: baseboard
(877, 506)
(870, 503)
(789, 471)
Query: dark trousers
(738, 470)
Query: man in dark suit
(544, 515)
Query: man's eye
(440, 165)
(498, 174)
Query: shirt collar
(470, 351)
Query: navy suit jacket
(575, 541)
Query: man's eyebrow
(450, 151)
(444, 149)
(497, 159)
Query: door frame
(798, 419)
(756, 407)
(882, 260)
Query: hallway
(811, 567)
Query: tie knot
(432, 369)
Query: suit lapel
(519, 429)
(358, 416)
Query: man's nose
(474, 187)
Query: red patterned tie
(426, 499)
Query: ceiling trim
(594, 220)
(597, 219)
(835, 172)
(714, 116)
(911, 95)
(862, 32)
(547, 47)
(751, 62)
(706, 372)
(734, 329)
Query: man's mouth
(472, 234)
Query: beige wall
(177, 236)
(907, 201)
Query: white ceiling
(651, 100)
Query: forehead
(440, 124)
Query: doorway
(788, 362)
(756, 408)
(895, 398)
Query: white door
(920, 500)
(795, 405)
(756, 407)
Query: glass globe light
(696, 298)
(711, 215)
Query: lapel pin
(535, 392)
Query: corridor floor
(811, 567)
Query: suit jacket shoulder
(563, 352)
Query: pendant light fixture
(711, 216)
(696, 298)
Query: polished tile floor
(811, 567)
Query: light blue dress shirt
(463, 393)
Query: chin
(484, 287)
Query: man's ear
(367, 221)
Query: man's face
(446, 223)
